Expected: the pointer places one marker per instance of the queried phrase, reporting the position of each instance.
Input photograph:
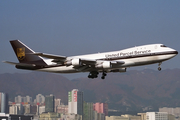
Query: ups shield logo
(21, 53)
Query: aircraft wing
(89, 64)
(88, 61)
(80, 63)
(56, 58)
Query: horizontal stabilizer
(20, 64)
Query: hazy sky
(74, 27)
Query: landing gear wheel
(90, 76)
(103, 75)
(93, 74)
(159, 68)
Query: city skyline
(121, 88)
(52, 106)
(100, 110)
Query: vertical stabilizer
(24, 53)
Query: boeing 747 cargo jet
(115, 61)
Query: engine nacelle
(105, 64)
(119, 70)
(74, 62)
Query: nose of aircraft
(176, 52)
(173, 52)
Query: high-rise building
(17, 109)
(40, 99)
(27, 108)
(173, 111)
(99, 116)
(88, 111)
(41, 109)
(49, 103)
(13, 110)
(4, 102)
(142, 116)
(57, 102)
(0, 102)
(75, 102)
(63, 109)
(27, 99)
(156, 116)
(101, 108)
(18, 99)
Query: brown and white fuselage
(115, 61)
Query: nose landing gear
(159, 68)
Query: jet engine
(105, 64)
(74, 62)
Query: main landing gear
(103, 75)
(94, 74)
(159, 68)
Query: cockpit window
(163, 46)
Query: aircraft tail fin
(24, 53)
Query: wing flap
(82, 68)
(88, 61)
(117, 62)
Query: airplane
(115, 61)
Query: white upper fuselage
(135, 56)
